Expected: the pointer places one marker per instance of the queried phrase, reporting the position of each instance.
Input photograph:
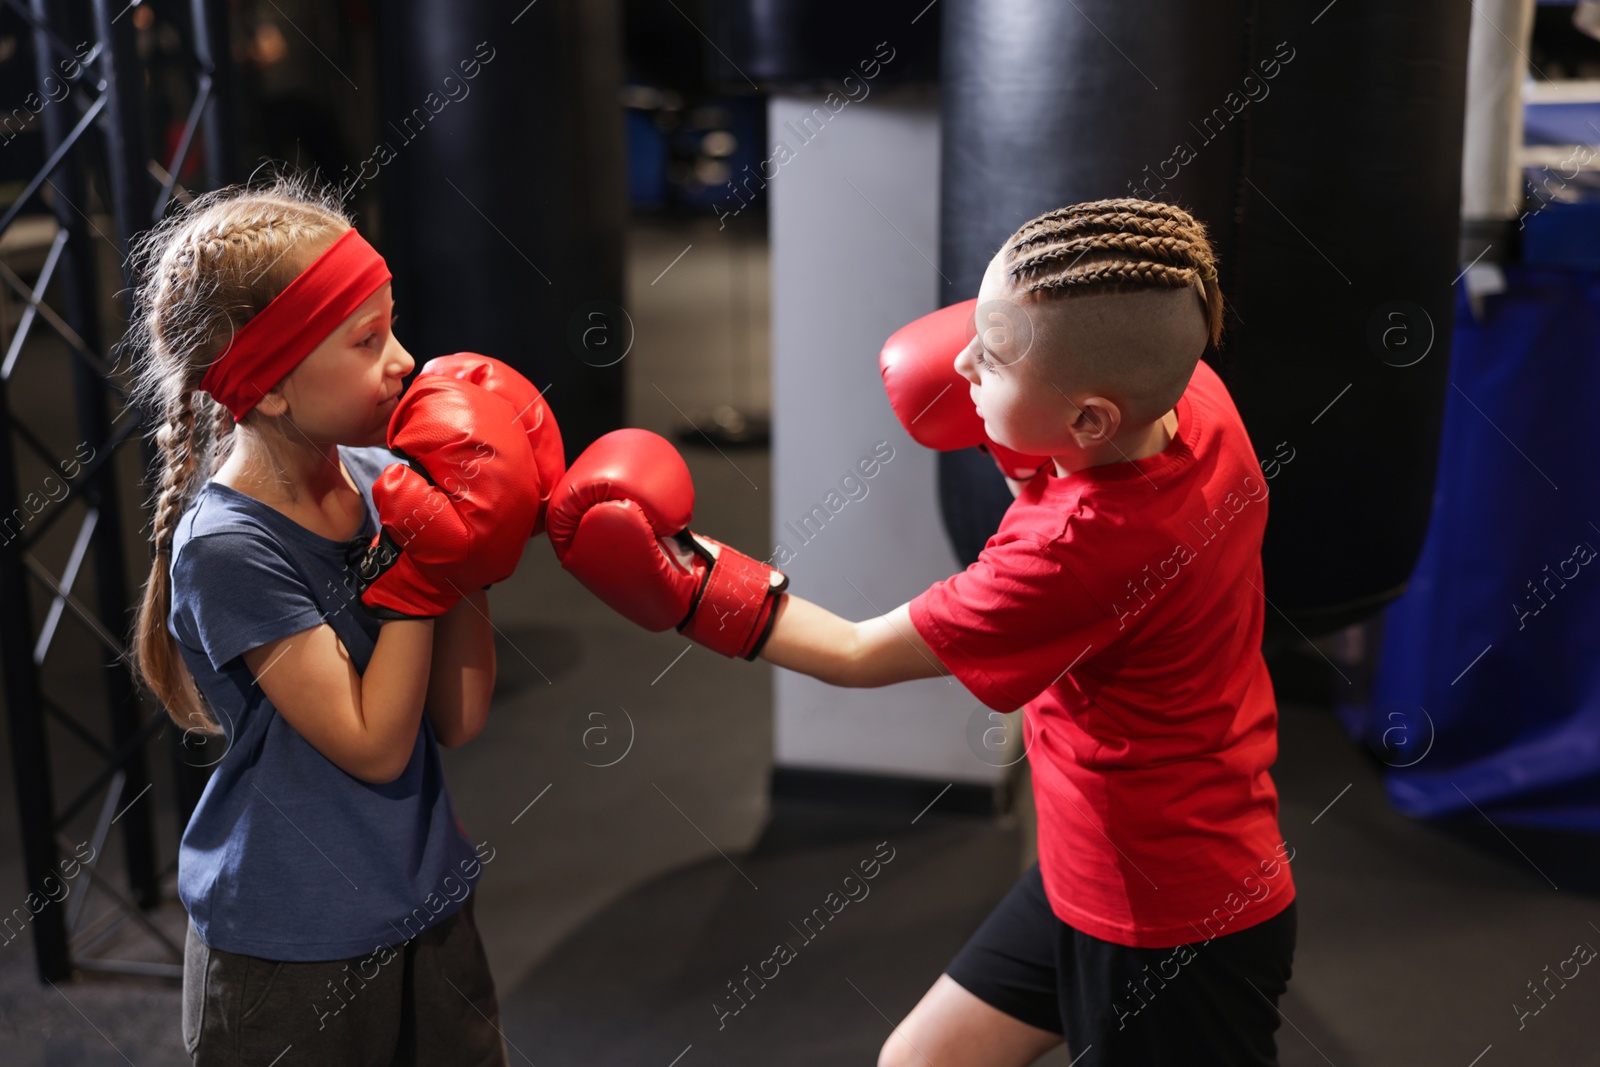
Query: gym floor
(639, 869)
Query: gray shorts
(428, 1001)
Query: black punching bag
(1321, 146)
(504, 199)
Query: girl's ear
(273, 404)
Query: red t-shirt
(1122, 605)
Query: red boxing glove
(931, 398)
(619, 524)
(549, 461)
(457, 517)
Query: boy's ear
(1097, 420)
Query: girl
(326, 878)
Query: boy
(1120, 603)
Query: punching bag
(501, 162)
(803, 46)
(1321, 146)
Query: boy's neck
(1151, 440)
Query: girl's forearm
(462, 681)
(392, 689)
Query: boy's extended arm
(880, 651)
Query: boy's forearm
(462, 681)
(813, 640)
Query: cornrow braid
(1172, 251)
(1119, 221)
(1111, 245)
(1092, 209)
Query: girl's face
(345, 390)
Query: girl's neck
(304, 481)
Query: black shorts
(1209, 1002)
(426, 1001)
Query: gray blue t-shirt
(287, 857)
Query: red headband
(297, 320)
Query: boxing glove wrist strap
(401, 601)
(733, 609)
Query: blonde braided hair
(201, 275)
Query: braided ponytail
(158, 657)
(202, 274)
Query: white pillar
(1497, 65)
(1491, 150)
(855, 239)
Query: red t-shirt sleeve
(1014, 622)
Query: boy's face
(1019, 406)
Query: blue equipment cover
(1487, 687)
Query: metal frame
(95, 152)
